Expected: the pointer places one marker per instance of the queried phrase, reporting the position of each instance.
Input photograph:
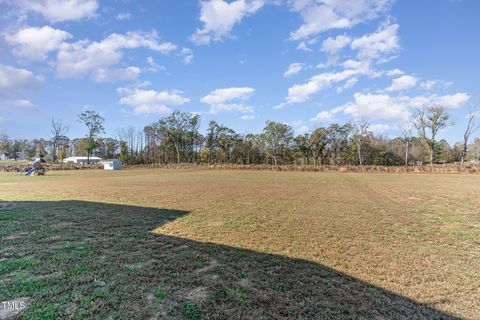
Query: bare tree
(130, 139)
(59, 131)
(359, 135)
(406, 140)
(429, 121)
(472, 126)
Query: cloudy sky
(303, 62)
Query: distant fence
(467, 168)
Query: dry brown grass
(415, 235)
(449, 168)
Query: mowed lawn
(199, 244)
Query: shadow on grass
(81, 260)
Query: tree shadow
(79, 259)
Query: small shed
(113, 164)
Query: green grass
(11, 265)
(160, 293)
(190, 310)
(199, 244)
(13, 162)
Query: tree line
(176, 138)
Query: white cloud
(35, 43)
(394, 72)
(115, 74)
(383, 106)
(428, 84)
(99, 60)
(447, 84)
(376, 106)
(302, 129)
(154, 67)
(402, 83)
(14, 79)
(83, 58)
(187, 55)
(229, 99)
(60, 10)
(378, 128)
(151, 101)
(13, 82)
(18, 103)
(455, 100)
(293, 69)
(323, 116)
(350, 83)
(356, 65)
(123, 16)
(448, 101)
(23, 103)
(219, 17)
(228, 94)
(247, 117)
(303, 46)
(301, 92)
(334, 45)
(380, 45)
(322, 15)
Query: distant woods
(176, 138)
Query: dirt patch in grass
(198, 294)
(211, 265)
(11, 309)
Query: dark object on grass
(39, 160)
(37, 168)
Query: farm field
(200, 244)
(13, 162)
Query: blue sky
(303, 62)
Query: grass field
(13, 162)
(199, 244)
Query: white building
(82, 160)
(113, 164)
